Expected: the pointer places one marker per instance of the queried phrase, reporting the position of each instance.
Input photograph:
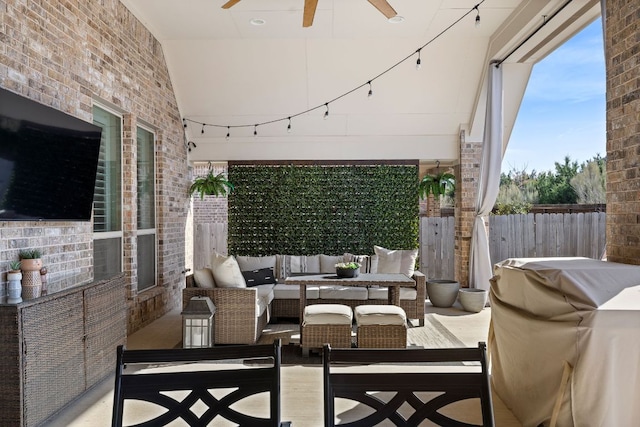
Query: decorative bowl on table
(347, 269)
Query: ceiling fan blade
(309, 12)
(384, 7)
(230, 3)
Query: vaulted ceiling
(231, 75)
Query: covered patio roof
(230, 75)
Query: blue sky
(563, 110)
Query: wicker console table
(54, 348)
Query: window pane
(146, 261)
(107, 259)
(146, 180)
(107, 199)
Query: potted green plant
(210, 185)
(347, 269)
(30, 264)
(437, 184)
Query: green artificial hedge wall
(322, 209)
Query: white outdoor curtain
(480, 270)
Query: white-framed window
(146, 217)
(107, 199)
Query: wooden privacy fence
(510, 236)
(515, 236)
(208, 239)
(548, 235)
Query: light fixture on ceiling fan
(310, 9)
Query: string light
(475, 8)
(202, 131)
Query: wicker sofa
(243, 312)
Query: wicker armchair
(237, 319)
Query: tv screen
(48, 162)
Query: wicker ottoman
(381, 326)
(326, 324)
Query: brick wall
(467, 175)
(211, 208)
(623, 131)
(66, 55)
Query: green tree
(554, 187)
(517, 192)
(589, 183)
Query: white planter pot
(14, 288)
(473, 300)
(442, 292)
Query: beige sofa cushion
(396, 261)
(203, 278)
(328, 263)
(249, 263)
(226, 272)
(382, 293)
(327, 314)
(379, 315)
(283, 291)
(286, 265)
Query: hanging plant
(211, 185)
(437, 184)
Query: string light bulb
(202, 131)
(326, 113)
(255, 130)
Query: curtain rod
(545, 22)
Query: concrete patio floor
(301, 384)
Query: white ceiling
(227, 72)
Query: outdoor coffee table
(392, 281)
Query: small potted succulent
(347, 269)
(30, 259)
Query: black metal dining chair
(155, 386)
(425, 392)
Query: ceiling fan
(310, 9)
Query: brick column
(129, 210)
(623, 131)
(467, 174)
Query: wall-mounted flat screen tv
(48, 162)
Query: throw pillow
(396, 261)
(328, 263)
(204, 278)
(368, 263)
(261, 276)
(289, 264)
(226, 272)
(247, 263)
